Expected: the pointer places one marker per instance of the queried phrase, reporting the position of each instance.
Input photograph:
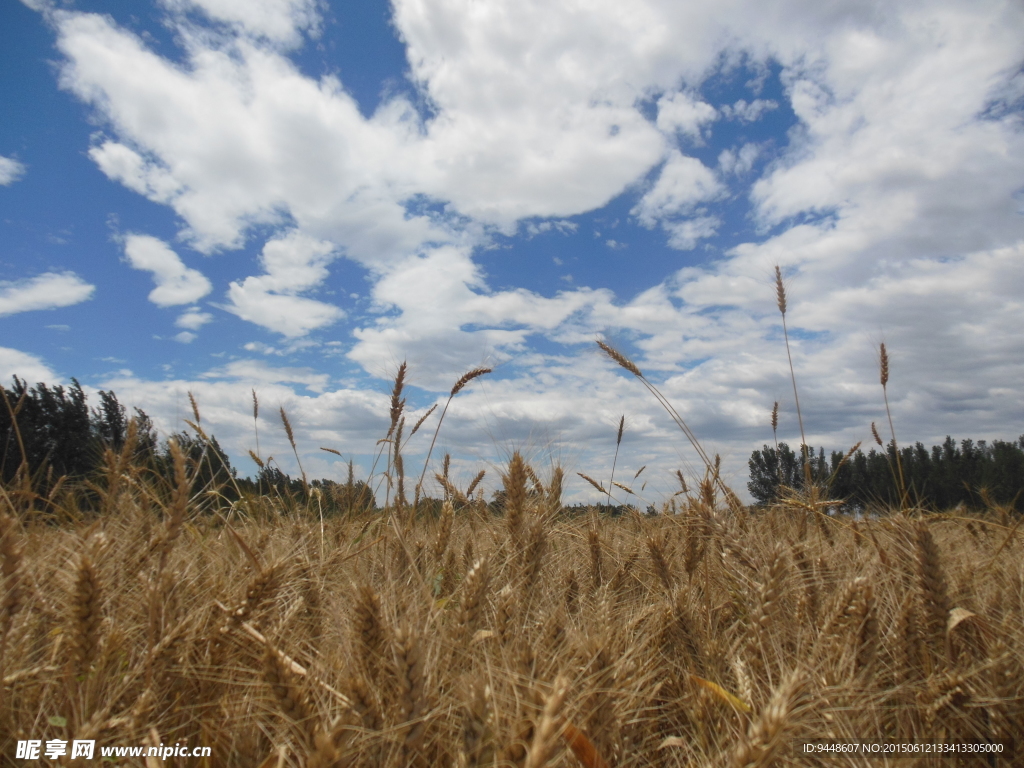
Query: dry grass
(705, 638)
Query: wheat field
(714, 636)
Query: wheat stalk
(624, 362)
(780, 293)
(618, 442)
(458, 387)
(883, 363)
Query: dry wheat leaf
(582, 747)
(722, 694)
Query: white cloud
(348, 419)
(185, 337)
(10, 170)
(748, 112)
(563, 226)
(239, 134)
(123, 164)
(739, 162)
(682, 112)
(279, 21)
(684, 235)
(193, 319)
(444, 320)
(46, 291)
(26, 367)
(259, 372)
(175, 283)
(683, 182)
(292, 263)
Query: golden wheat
(705, 638)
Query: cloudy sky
(295, 196)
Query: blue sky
(294, 196)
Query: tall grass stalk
(459, 385)
(883, 365)
(628, 364)
(618, 442)
(780, 298)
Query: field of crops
(716, 636)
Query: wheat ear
(85, 612)
(934, 596)
(515, 495)
(473, 598)
(409, 663)
(290, 698)
(545, 737)
(10, 579)
(763, 738)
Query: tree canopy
(945, 476)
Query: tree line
(968, 473)
(50, 435)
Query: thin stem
(799, 416)
(780, 296)
(433, 440)
(618, 442)
(884, 379)
(626, 363)
(462, 382)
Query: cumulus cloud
(441, 317)
(27, 367)
(683, 182)
(193, 319)
(122, 163)
(292, 263)
(175, 283)
(220, 140)
(10, 170)
(682, 112)
(46, 291)
(684, 235)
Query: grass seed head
(468, 377)
(620, 358)
(780, 290)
